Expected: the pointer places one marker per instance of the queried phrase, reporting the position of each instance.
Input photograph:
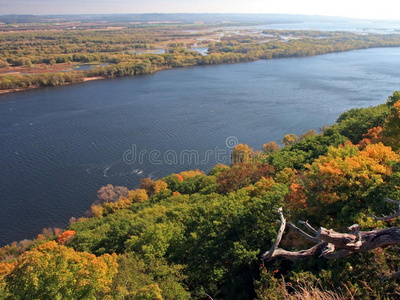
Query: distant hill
(184, 18)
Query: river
(59, 145)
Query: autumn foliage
(180, 177)
(65, 237)
(190, 235)
(270, 147)
(53, 271)
(242, 154)
(241, 175)
(153, 187)
(190, 174)
(371, 137)
(296, 198)
(345, 174)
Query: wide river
(60, 145)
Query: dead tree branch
(308, 226)
(332, 245)
(301, 232)
(386, 218)
(269, 254)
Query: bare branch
(392, 201)
(270, 253)
(208, 296)
(309, 227)
(386, 218)
(294, 255)
(306, 235)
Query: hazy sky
(382, 9)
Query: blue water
(155, 51)
(59, 145)
(201, 50)
(87, 67)
(352, 26)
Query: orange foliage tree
(65, 237)
(346, 169)
(242, 175)
(371, 137)
(180, 177)
(345, 175)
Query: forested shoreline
(115, 50)
(199, 236)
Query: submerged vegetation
(35, 59)
(201, 236)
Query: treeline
(15, 82)
(232, 51)
(306, 46)
(38, 46)
(198, 236)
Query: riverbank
(86, 79)
(229, 51)
(19, 90)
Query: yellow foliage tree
(149, 292)
(270, 147)
(159, 186)
(53, 271)
(347, 170)
(191, 173)
(289, 139)
(242, 154)
(138, 195)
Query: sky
(382, 9)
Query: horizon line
(202, 13)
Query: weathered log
(331, 244)
(294, 255)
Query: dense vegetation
(116, 47)
(196, 236)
